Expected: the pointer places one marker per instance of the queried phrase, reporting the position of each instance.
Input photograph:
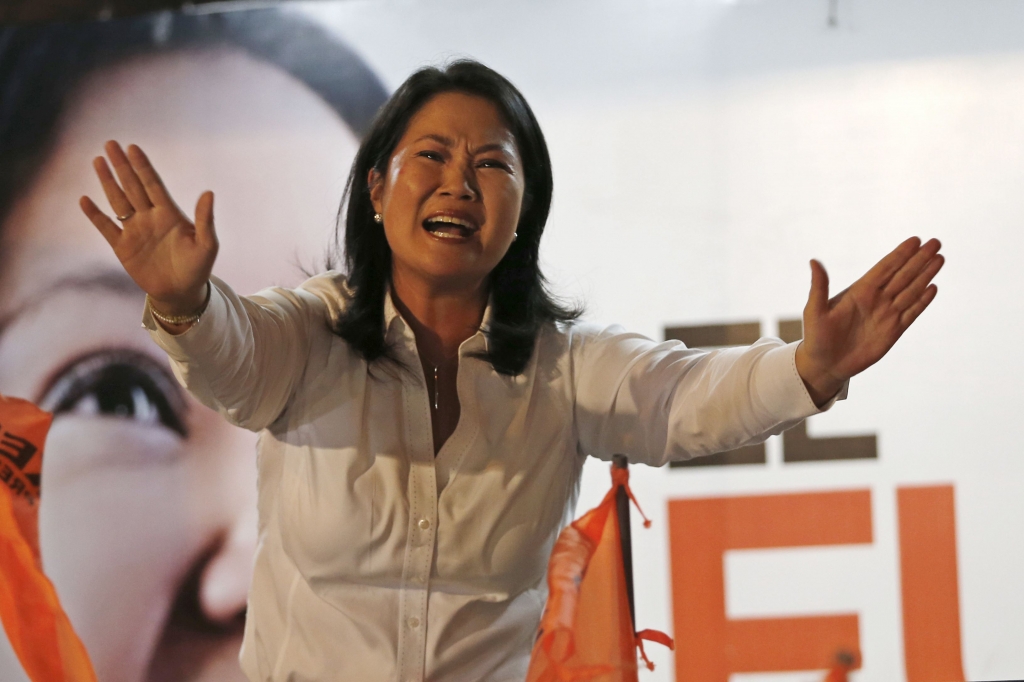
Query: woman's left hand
(848, 333)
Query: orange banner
(586, 632)
(35, 623)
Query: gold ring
(123, 218)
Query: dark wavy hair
(520, 301)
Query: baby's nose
(224, 584)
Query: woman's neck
(440, 319)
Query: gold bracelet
(178, 320)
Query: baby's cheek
(115, 533)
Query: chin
(457, 269)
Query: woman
(426, 415)
(148, 511)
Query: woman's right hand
(167, 255)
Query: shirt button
(424, 524)
(413, 622)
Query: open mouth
(450, 227)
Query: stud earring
(515, 236)
(378, 218)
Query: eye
(431, 154)
(123, 384)
(495, 163)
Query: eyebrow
(449, 142)
(111, 280)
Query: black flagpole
(622, 509)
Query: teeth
(452, 220)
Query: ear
(375, 183)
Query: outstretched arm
(848, 333)
(662, 402)
(246, 354)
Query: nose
(459, 180)
(224, 582)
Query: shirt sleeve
(246, 354)
(658, 402)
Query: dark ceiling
(32, 11)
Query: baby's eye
(118, 383)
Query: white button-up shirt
(378, 560)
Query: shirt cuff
(200, 336)
(780, 389)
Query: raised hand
(848, 333)
(169, 256)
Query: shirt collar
(390, 312)
(393, 320)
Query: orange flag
(35, 623)
(587, 631)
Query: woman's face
(148, 507)
(452, 194)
